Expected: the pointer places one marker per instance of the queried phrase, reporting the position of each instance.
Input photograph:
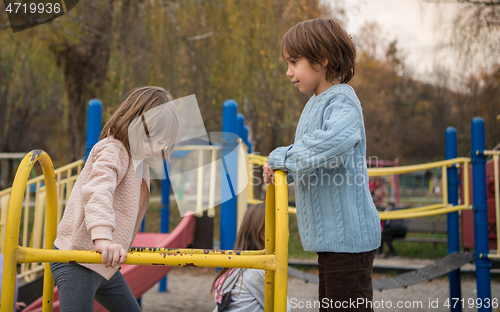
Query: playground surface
(189, 292)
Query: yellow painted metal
(444, 182)
(262, 262)
(4, 203)
(188, 251)
(497, 200)
(273, 258)
(65, 182)
(257, 159)
(13, 222)
(281, 275)
(197, 147)
(270, 245)
(291, 209)
(491, 153)
(211, 194)
(400, 214)
(376, 172)
(242, 179)
(465, 169)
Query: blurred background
(422, 66)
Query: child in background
(242, 290)
(327, 162)
(109, 200)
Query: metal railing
(33, 211)
(495, 155)
(273, 259)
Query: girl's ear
(262, 235)
(324, 63)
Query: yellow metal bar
(13, 221)
(29, 272)
(188, 251)
(262, 262)
(491, 153)
(497, 199)
(291, 209)
(258, 159)
(444, 182)
(270, 234)
(197, 147)
(466, 189)
(281, 275)
(399, 215)
(376, 172)
(78, 163)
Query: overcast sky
(416, 24)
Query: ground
(188, 291)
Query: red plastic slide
(142, 277)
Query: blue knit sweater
(327, 163)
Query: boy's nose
(289, 73)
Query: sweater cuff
(277, 158)
(101, 232)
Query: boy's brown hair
(320, 39)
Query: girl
(243, 289)
(335, 212)
(109, 200)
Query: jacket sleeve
(110, 163)
(326, 147)
(255, 281)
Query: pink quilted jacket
(106, 202)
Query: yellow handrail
(495, 155)
(12, 249)
(273, 259)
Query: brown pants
(345, 281)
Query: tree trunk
(85, 64)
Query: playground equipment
(273, 258)
(449, 205)
(141, 277)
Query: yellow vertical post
(444, 182)
(497, 199)
(199, 185)
(211, 192)
(3, 219)
(466, 183)
(270, 245)
(281, 275)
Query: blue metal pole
(228, 208)
(240, 121)
(94, 125)
(165, 220)
(452, 218)
(480, 208)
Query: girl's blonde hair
(137, 102)
(248, 237)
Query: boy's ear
(324, 63)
